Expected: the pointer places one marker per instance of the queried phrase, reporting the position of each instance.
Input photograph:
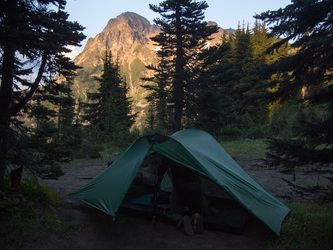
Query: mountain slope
(127, 36)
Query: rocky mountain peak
(130, 20)
(119, 35)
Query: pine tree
(69, 130)
(66, 114)
(159, 89)
(242, 55)
(151, 124)
(52, 132)
(242, 58)
(215, 104)
(260, 43)
(183, 36)
(243, 63)
(43, 142)
(109, 109)
(308, 76)
(249, 57)
(33, 37)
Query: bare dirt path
(98, 231)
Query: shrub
(29, 214)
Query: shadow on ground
(97, 230)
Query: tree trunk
(178, 81)
(6, 91)
(15, 177)
(3, 152)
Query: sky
(95, 14)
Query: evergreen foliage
(307, 75)
(109, 110)
(221, 91)
(160, 94)
(33, 39)
(230, 93)
(49, 135)
(58, 98)
(182, 39)
(215, 105)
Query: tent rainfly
(197, 150)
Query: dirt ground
(98, 231)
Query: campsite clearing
(97, 231)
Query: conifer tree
(52, 133)
(33, 37)
(183, 36)
(243, 63)
(242, 56)
(242, 59)
(308, 76)
(68, 127)
(109, 109)
(215, 106)
(160, 89)
(43, 142)
(66, 114)
(249, 55)
(260, 43)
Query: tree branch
(16, 108)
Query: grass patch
(95, 155)
(244, 151)
(245, 148)
(307, 226)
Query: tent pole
(155, 189)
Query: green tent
(196, 150)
